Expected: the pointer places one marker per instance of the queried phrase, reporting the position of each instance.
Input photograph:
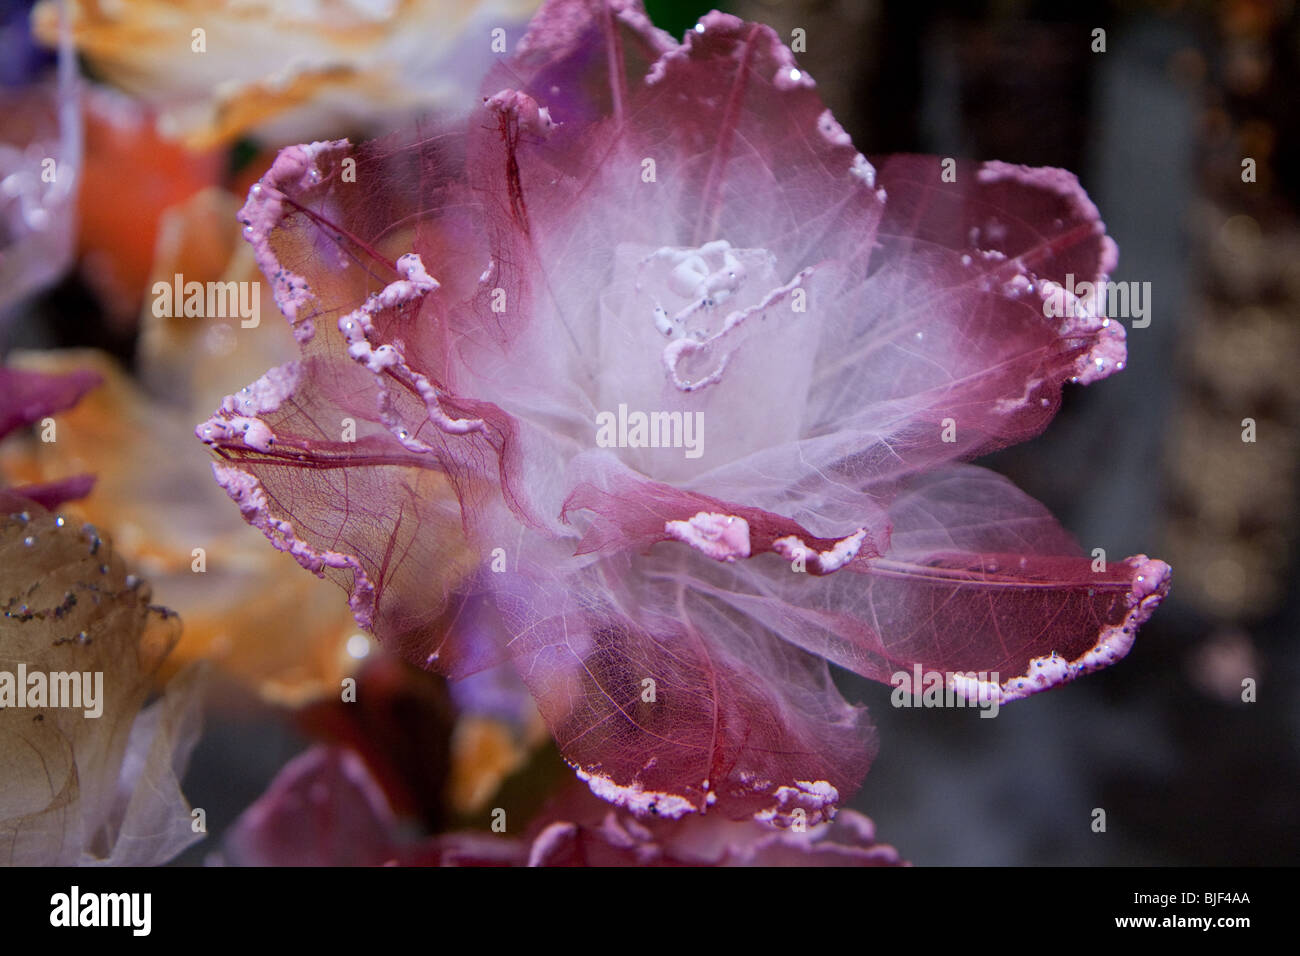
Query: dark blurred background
(1151, 460)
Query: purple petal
(27, 396)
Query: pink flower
(695, 381)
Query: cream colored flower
(289, 69)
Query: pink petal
(51, 494)
(27, 396)
(632, 514)
(683, 704)
(585, 832)
(977, 577)
(372, 513)
(322, 809)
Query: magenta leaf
(628, 227)
(51, 494)
(26, 398)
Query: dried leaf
(88, 778)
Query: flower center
(692, 290)
(702, 333)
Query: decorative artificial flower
(697, 383)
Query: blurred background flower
(289, 72)
(40, 160)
